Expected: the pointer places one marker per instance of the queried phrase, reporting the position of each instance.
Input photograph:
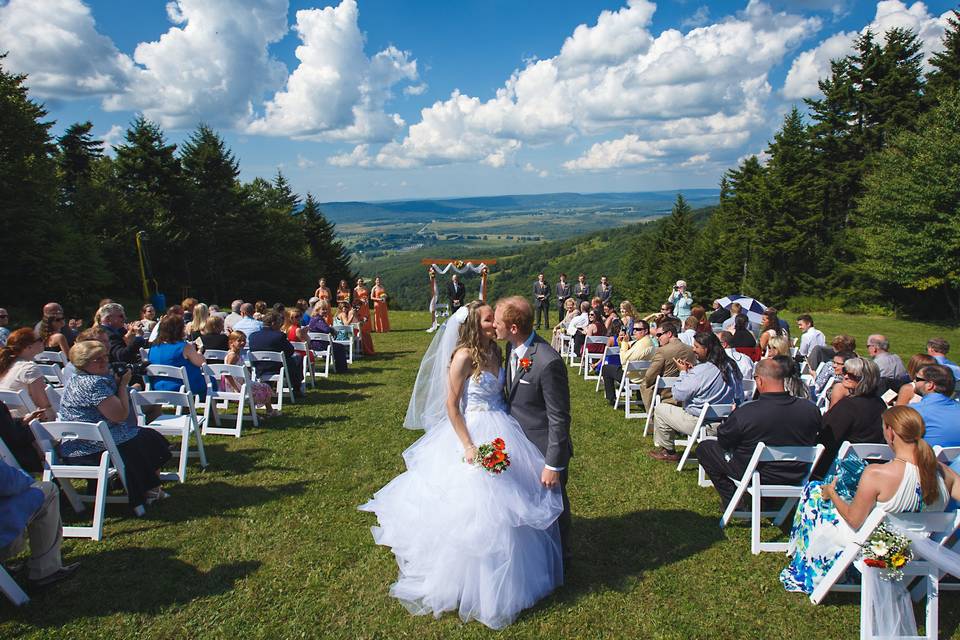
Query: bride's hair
(470, 339)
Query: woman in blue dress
(172, 350)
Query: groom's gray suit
(539, 399)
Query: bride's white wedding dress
(486, 545)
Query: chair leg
(11, 589)
(933, 603)
(184, 455)
(201, 452)
(755, 516)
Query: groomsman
(456, 292)
(541, 300)
(604, 290)
(563, 292)
(581, 290)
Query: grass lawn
(267, 543)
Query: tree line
(856, 205)
(71, 214)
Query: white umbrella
(753, 308)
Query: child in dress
(261, 391)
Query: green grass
(267, 543)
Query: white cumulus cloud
(814, 64)
(337, 92)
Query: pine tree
(78, 151)
(328, 255)
(945, 74)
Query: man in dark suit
(604, 290)
(125, 339)
(563, 292)
(456, 292)
(270, 338)
(776, 418)
(581, 290)
(541, 300)
(539, 398)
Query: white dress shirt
(811, 338)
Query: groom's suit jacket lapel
(515, 380)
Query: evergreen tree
(78, 151)
(328, 255)
(945, 74)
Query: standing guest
(742, 336)
(628, 315)
(18, 371)
(172, 350)
(714, 380)
(362, 301)
(270, 338)
(637, 347)
(94, 395)
(563, 294)
(343, 292)
(769, 327)
(261, 392)
(247, 324)
(568, 313)
(810, 336)
(681, 300)
(689, 330)
(664, 362)
(188, 305)
(321, 322)
(742, 360)
(541, 301)
(938, 348)
(719, 315)
(323, 291)
(907, 393)
(233, 317)
(604, 290)
(51, 334)
(890, 365)
(609, 317)
(776, 419)
(201, 313)
(456, 293)
(213, 336)
(126, 340)
(703, 324)
(381, 315)
(581, 290)
(4, 330)
(148, 318)
(857, 416)
(941, 415)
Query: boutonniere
(525, 364)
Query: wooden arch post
(458, 265)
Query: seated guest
(259, 308)
(261, 392)
(715, 380)
(291, 325)
(940, 413)
(148, 318)
(577, 327)
(719, 315)
(319, 324)
(52, 334)
(233, 317)
(16, 434)
(856, 417)
(201, 313)
(188, 305)
(304, 308)
(742, 336)
(323, 308)
(736, 309)
(247, 323)
(664, 362)
(54, 310)
(742, 360)
(825, 521)
(172, 350)
(93, 333)
(792, 382)
(770, 327)
(570, 312)
(907, 393)
(30, 511)
(938, 348)
(213, 336)
(703, 324)
(595, 327)
(609, 315)
(125, 339)
(92, 395)
(270, 338)
(890, 365)
(810, 336)
(637, 348)
(776, 418)
(777, 346)
(665, 315)
(628, 315)
(19, 372)
(689, 330)
(173, 310)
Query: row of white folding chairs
(58, 358)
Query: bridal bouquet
(492, 456)
(887, 549)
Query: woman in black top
(742, 337)
(857, 417)
(213, 336)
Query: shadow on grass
(136, 580)
(610, 551)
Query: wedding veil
(428, 404)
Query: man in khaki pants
(663, 362)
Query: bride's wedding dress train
(485, 545)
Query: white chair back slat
(946, 455)
(661, 383)
(324, 351)
(281, 378)
(710, 414)
(58, 358)
(18, 402)
(220, 395)
(873, 451)
(52, 374)
(627, 389)
(185, 422)
(217, 356)
(168, 371)
(53, 397)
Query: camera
(136, 369)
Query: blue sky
(377, 99)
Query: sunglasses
(847, 374)
(659, 334)
(921, 379)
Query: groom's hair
(517, 310)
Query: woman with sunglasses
(857, 417)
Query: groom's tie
(514, 362)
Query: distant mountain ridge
(427, 209)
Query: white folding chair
(711, 414)
(53, 396)
(49, 434)
(869, 451)
(215, 356)
(566, 345)
(749, 389)
(442, 310)
(324, 352)
(184, 423)
(823, 400)
(608, 352)
(628, 387)
(144, 354)
(58, 358)
(946, 455)
(588, 359)
(348, 343)
(52, 373)
(658, 386)
(220, 395)
(281, 378)
(751, 483)
(308, 372)
(18, 402)
(8, 585)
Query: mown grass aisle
(267, 543)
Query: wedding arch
(444, 265)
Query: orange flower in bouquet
(492, 456)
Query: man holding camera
(125, 339)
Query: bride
(486, 545)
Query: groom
(539, 398)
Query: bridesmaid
(322, 292)
(343, 292)
(381, 321)
(362, 302)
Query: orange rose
(499, 444)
